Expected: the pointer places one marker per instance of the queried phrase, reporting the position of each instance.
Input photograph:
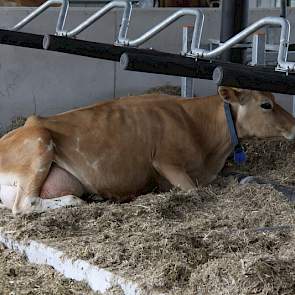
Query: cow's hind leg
(35, 149)
(40, 204)
(64, 201)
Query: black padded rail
(91, 49)
(135, 59)
(157, 62)
(256, 78)
(263, 78)
(152, 61)
(168, 64)
(21, 39)
(81, 47)
(177, 65)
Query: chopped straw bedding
(225, 238)
(17, 277)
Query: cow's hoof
(60, 202)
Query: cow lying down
(122, 148)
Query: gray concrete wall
(36, 81)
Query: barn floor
(226, 238)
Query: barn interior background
(35, 81)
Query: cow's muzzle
(290, 135)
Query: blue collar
(239, 152)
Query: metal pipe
(61, 17)
(258, 49)
(234, 18)
(187, 83)
(198, 26)
(283, 4)
(283, 47)
(100, 13)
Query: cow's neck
(211, 124)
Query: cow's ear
(233, 95)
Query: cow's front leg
(176, 175)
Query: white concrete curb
(97, 278)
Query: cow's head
(257, 114)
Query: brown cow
(122, 148)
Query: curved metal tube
(283, 47)
(61, 17)
(198, 26)
(114, 4)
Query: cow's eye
(266, 106)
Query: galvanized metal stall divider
(196, 63)
(122, 43)
(278, 79)
(282, 63)
(64, 6)
(13, 37)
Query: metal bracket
(258, 49)
(282, 63)
(187, 83)
(126, 4)
(270, 47)
(61, 17)
(198, 26)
